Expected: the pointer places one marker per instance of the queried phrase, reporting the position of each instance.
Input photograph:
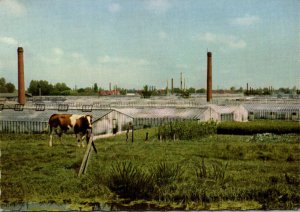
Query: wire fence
(23, 126)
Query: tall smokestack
(172, 86)
(167, 90)
(209, 77)
(180, 80)
(21, 84)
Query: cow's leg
(50, 142)
(78, 139)
(82, 140)
(51, 136)
(59, 133)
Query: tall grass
(214, 172)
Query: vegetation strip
(211, 172)
(255, 127)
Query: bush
(128, 181)
(258, 127)
(187, 130)
(164, 174)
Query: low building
(231, 112)
(105, 121)
(273, 111)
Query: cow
(77, 124)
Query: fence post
(87, 155)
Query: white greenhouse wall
(107, 123)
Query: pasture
(232, 172)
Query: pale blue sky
(136, 42)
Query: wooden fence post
(87, 155)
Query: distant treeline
(6, 87)
(43, 87)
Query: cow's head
(89, 118)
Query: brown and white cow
(77, 124)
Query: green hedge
(187, 130)
(255, 127)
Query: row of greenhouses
(114, 120)
(273, 111)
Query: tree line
(43, 87)
(6, 87)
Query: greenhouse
(273, 111)
(36, 121)
(149, 117)
(156, 116)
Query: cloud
(8, 41)
(223, 40)
(163, 35)
(58, 52)
(13, 7)
(114, 8)
(76, 55)
(54, 57)
(247, 20)
(121, 61)
(158, 6)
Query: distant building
(11, 96)
(110, 93)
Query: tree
(232, 89)
(123, 91)
(36, 85)
(2, 85)
(192, 90)
(95, 88)
(6, 87)
(201, 90)
(10, 87)
(146, 92)
(177, 90)
(60, 89)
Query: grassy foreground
(212, 173)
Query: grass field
(216, 172)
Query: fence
(22, 126)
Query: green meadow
(213, 172)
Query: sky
(132, 43)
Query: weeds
(128, 181)
(192, 175)
(217, 173)
(164, 173)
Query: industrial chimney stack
(21, 84)
(209, 77)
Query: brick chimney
(21, 83)
(209, 77)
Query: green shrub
(187, 130)
(128, 181)
(258, 127)
(164, 173)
